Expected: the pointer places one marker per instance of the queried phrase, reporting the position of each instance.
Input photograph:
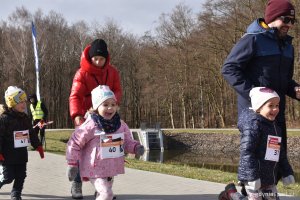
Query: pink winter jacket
(85, 147)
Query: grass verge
(56, 143)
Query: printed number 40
(112, 149)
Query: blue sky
(134, 16)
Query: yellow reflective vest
(37, 113)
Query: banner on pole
(36, 58)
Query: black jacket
(11, 121)
(254, 130)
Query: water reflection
(224, 162)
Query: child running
(99, 144)
(16, 133)
(261, 152)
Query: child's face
(20, 107)
(98, 61)
(270, 109)
(108, 108)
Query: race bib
(112, 145)
(273, 148)
(21, 139)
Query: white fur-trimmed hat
(100, 94)
(260, 95)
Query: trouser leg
(20, 175)
(103, 187)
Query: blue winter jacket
(254, 130)
(260, 59)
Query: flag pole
(36, 58)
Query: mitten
(288, 180)
(1, 158)
(139, 150)
(72, 171)
(253, 185)
(41, 151)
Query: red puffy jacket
(86, 79)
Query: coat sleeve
(284, 165)
(79, 138)
(45, 110)
(2, 131)
(249, 164)
(34, 139)
(235, 64)
(77, 96)
(117, 88)
(130, 143)
(292, 83)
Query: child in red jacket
(95, 69)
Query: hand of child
(253, 185)
(139, 150)
(78, 120)
(288, 180)
(72, 171)
(41, 151)
(297, 90)
(1, 158)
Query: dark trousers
(37, 130)
(16, 173)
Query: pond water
(224, 162)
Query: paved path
(47, 180)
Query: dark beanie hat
(98, 48)
(277, 8)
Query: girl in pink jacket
(100, 144)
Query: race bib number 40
(112, 145)
(273, 148)
(21, 139)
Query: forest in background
(170, 75)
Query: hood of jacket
(87, 65)
(256, 28)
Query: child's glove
(41, 151)
(288, 180)
(72, 171)
(1, 158)
(139, 150)
(253, 185)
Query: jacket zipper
(279, 155)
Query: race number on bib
(273, 148)
(112, 145)
(21, 139)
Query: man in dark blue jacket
(264, 57)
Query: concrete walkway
(46, 179)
